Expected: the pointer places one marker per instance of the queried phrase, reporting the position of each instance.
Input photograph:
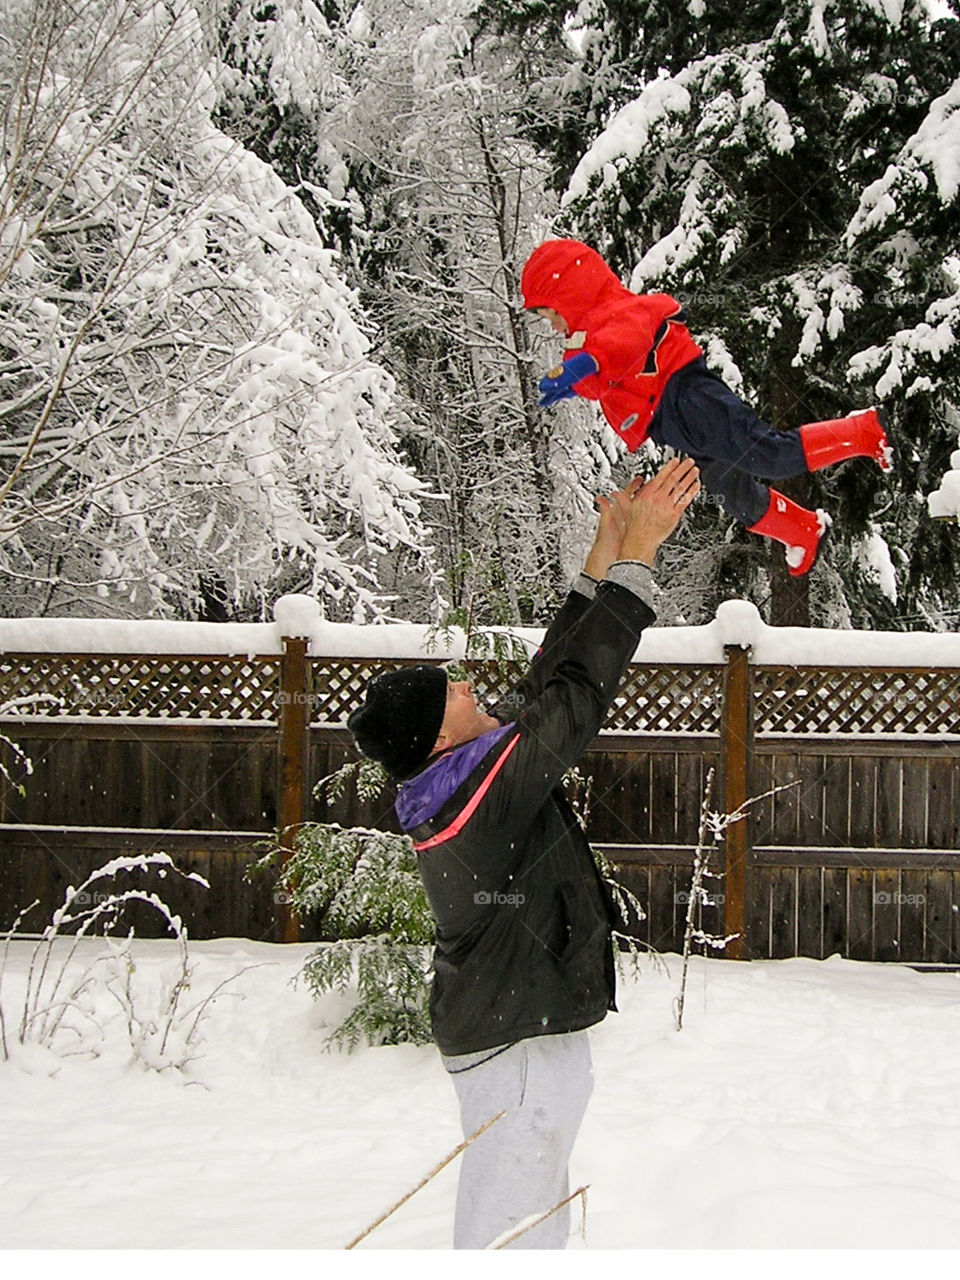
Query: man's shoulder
(422, 797)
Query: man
(524, 961)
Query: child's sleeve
(560, 383)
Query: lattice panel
(859, 700)
(147, 685)
(655, 699)
(669, 700)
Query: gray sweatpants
(518, 1168)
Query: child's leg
(762, 510)
(702, 416)
(768, 513)
(859, 435)
(740, 495)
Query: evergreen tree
(790, 172)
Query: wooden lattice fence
(207, 756)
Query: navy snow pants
(700, 416)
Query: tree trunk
(789, 596)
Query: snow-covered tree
(435, 197)
(456, 200)
(791, 173)
(189, 402)
(944, 502)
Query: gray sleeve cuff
(635, 576)
(585, 585)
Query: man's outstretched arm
(633, 522)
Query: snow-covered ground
(805, 1105)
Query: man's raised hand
(656, 509)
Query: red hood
(569, 277)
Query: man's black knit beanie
(400, 718)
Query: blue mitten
(559, 383)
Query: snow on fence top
(737, 623)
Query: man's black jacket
(523, 918)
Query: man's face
(555, 318)
(463, 720)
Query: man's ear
(441, 744)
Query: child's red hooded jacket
(637, 340)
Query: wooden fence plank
(777, 818)
(810, 912)
(636, 792)
(834, 930)
(836, 795)
(636, 878)
(691, 777)
(810, 800)
(913, 888)
(737, 757)
(783, 912)
(886, 914)
(943, 799)
(786, 804)
(938, 941)
(758, 912)
(17, 888)
(859, 914)
(889, 811)
(863, 801)
(915, 787)
(662, 909)
(663, 799)
(618, 799)
(51, 769)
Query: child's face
(556, 319)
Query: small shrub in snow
(363, 890)
(62, 1009)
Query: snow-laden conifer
(791, 173)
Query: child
(634, 354)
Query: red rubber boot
(797, 528)
(859, 436)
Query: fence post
(293, 741)
(736, 756)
